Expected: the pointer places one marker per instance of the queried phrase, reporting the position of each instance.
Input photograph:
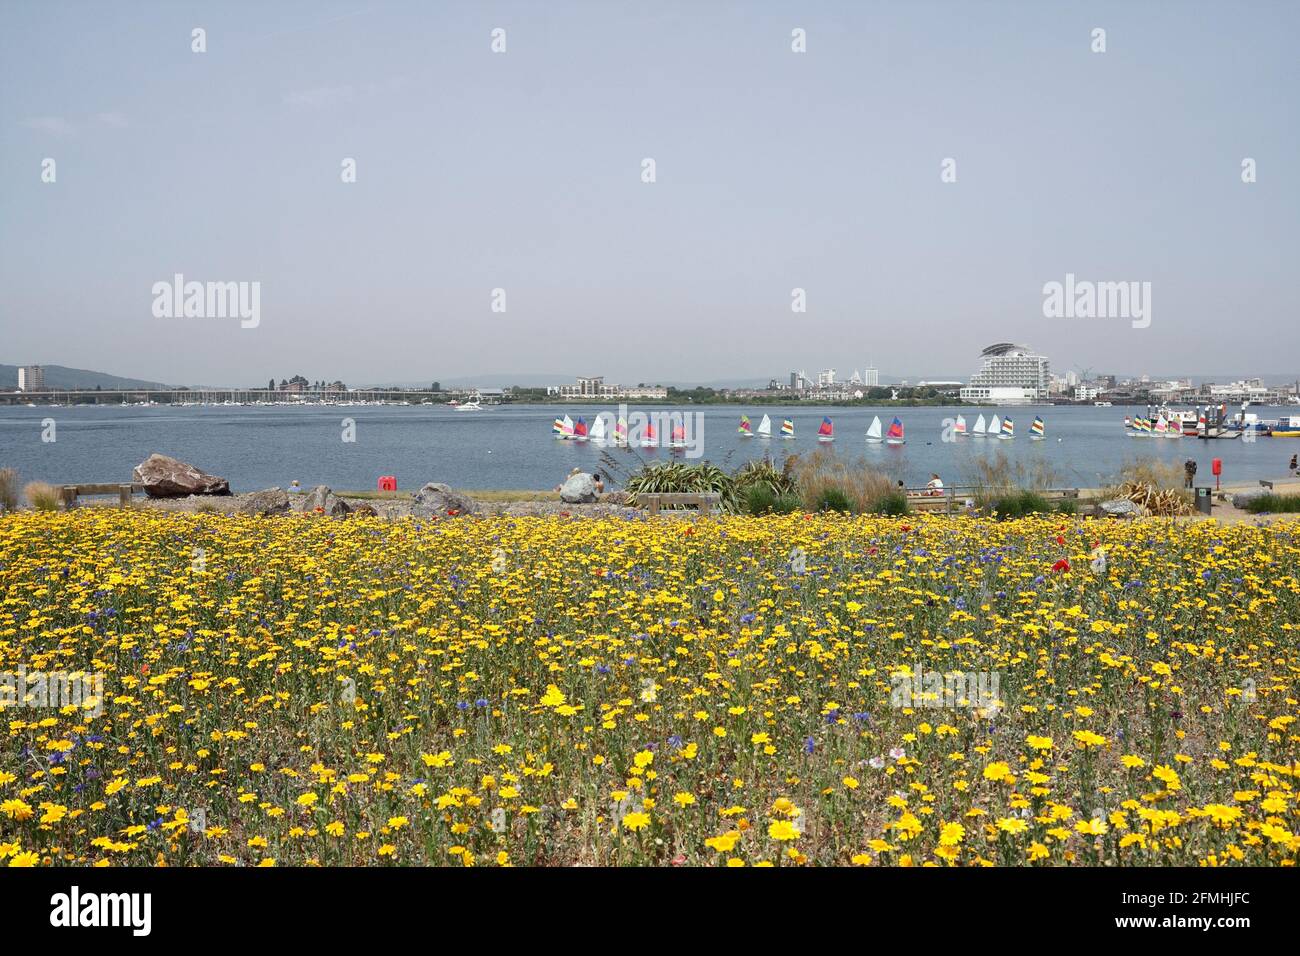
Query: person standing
(1293, 466)
(1189, 472)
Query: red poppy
(1060, 541)
(144, 668)
(1062, 565)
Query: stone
(578, 489)
(1120, 508)
(436, 498)
(270, 501)
(364, 511)
(165, 477)
(321, 500)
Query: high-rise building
(871, 376)
(1011, 374)
(826, 378)
(31, 378)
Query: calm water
(511, 447)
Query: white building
(1086, 393)
(871, 377)
(31, 378)
(826, 378)
(1247, 390)
(1011, 375)
(595, 387)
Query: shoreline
(489, 503)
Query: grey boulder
(321, 500)
(270, 501)
(166, 477)
(1120, 508)
(579, 489)
(436, 498)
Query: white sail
(873, 432)
(598, 428)
(765, 428)
(959, 427)
(566, 427)
(979, 428)
(995, 426)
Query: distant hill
(59, 376)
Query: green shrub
(1272, 503)
(787, 504)
(758, 500)
(1068, 506)
(761, 473)
(833, 499)
(893, 505)
(1018, 504)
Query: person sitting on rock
(600, 482)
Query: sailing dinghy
(895, 434)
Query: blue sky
(522, 171)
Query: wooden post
(69, 496)
(124, 496)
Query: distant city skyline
(673, 188)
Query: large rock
(271, 501)
(436, 498)
(165, 477)
(1120, 508)
(321, 500)
(579, 489)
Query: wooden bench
(705, 502)
(68, 494)
(1266, 484)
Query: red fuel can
(389, 483)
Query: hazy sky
(522, 171)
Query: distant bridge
(217, 396)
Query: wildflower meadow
(734, 691)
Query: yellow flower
(782, 830)
(724, 843)
(636, 821)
